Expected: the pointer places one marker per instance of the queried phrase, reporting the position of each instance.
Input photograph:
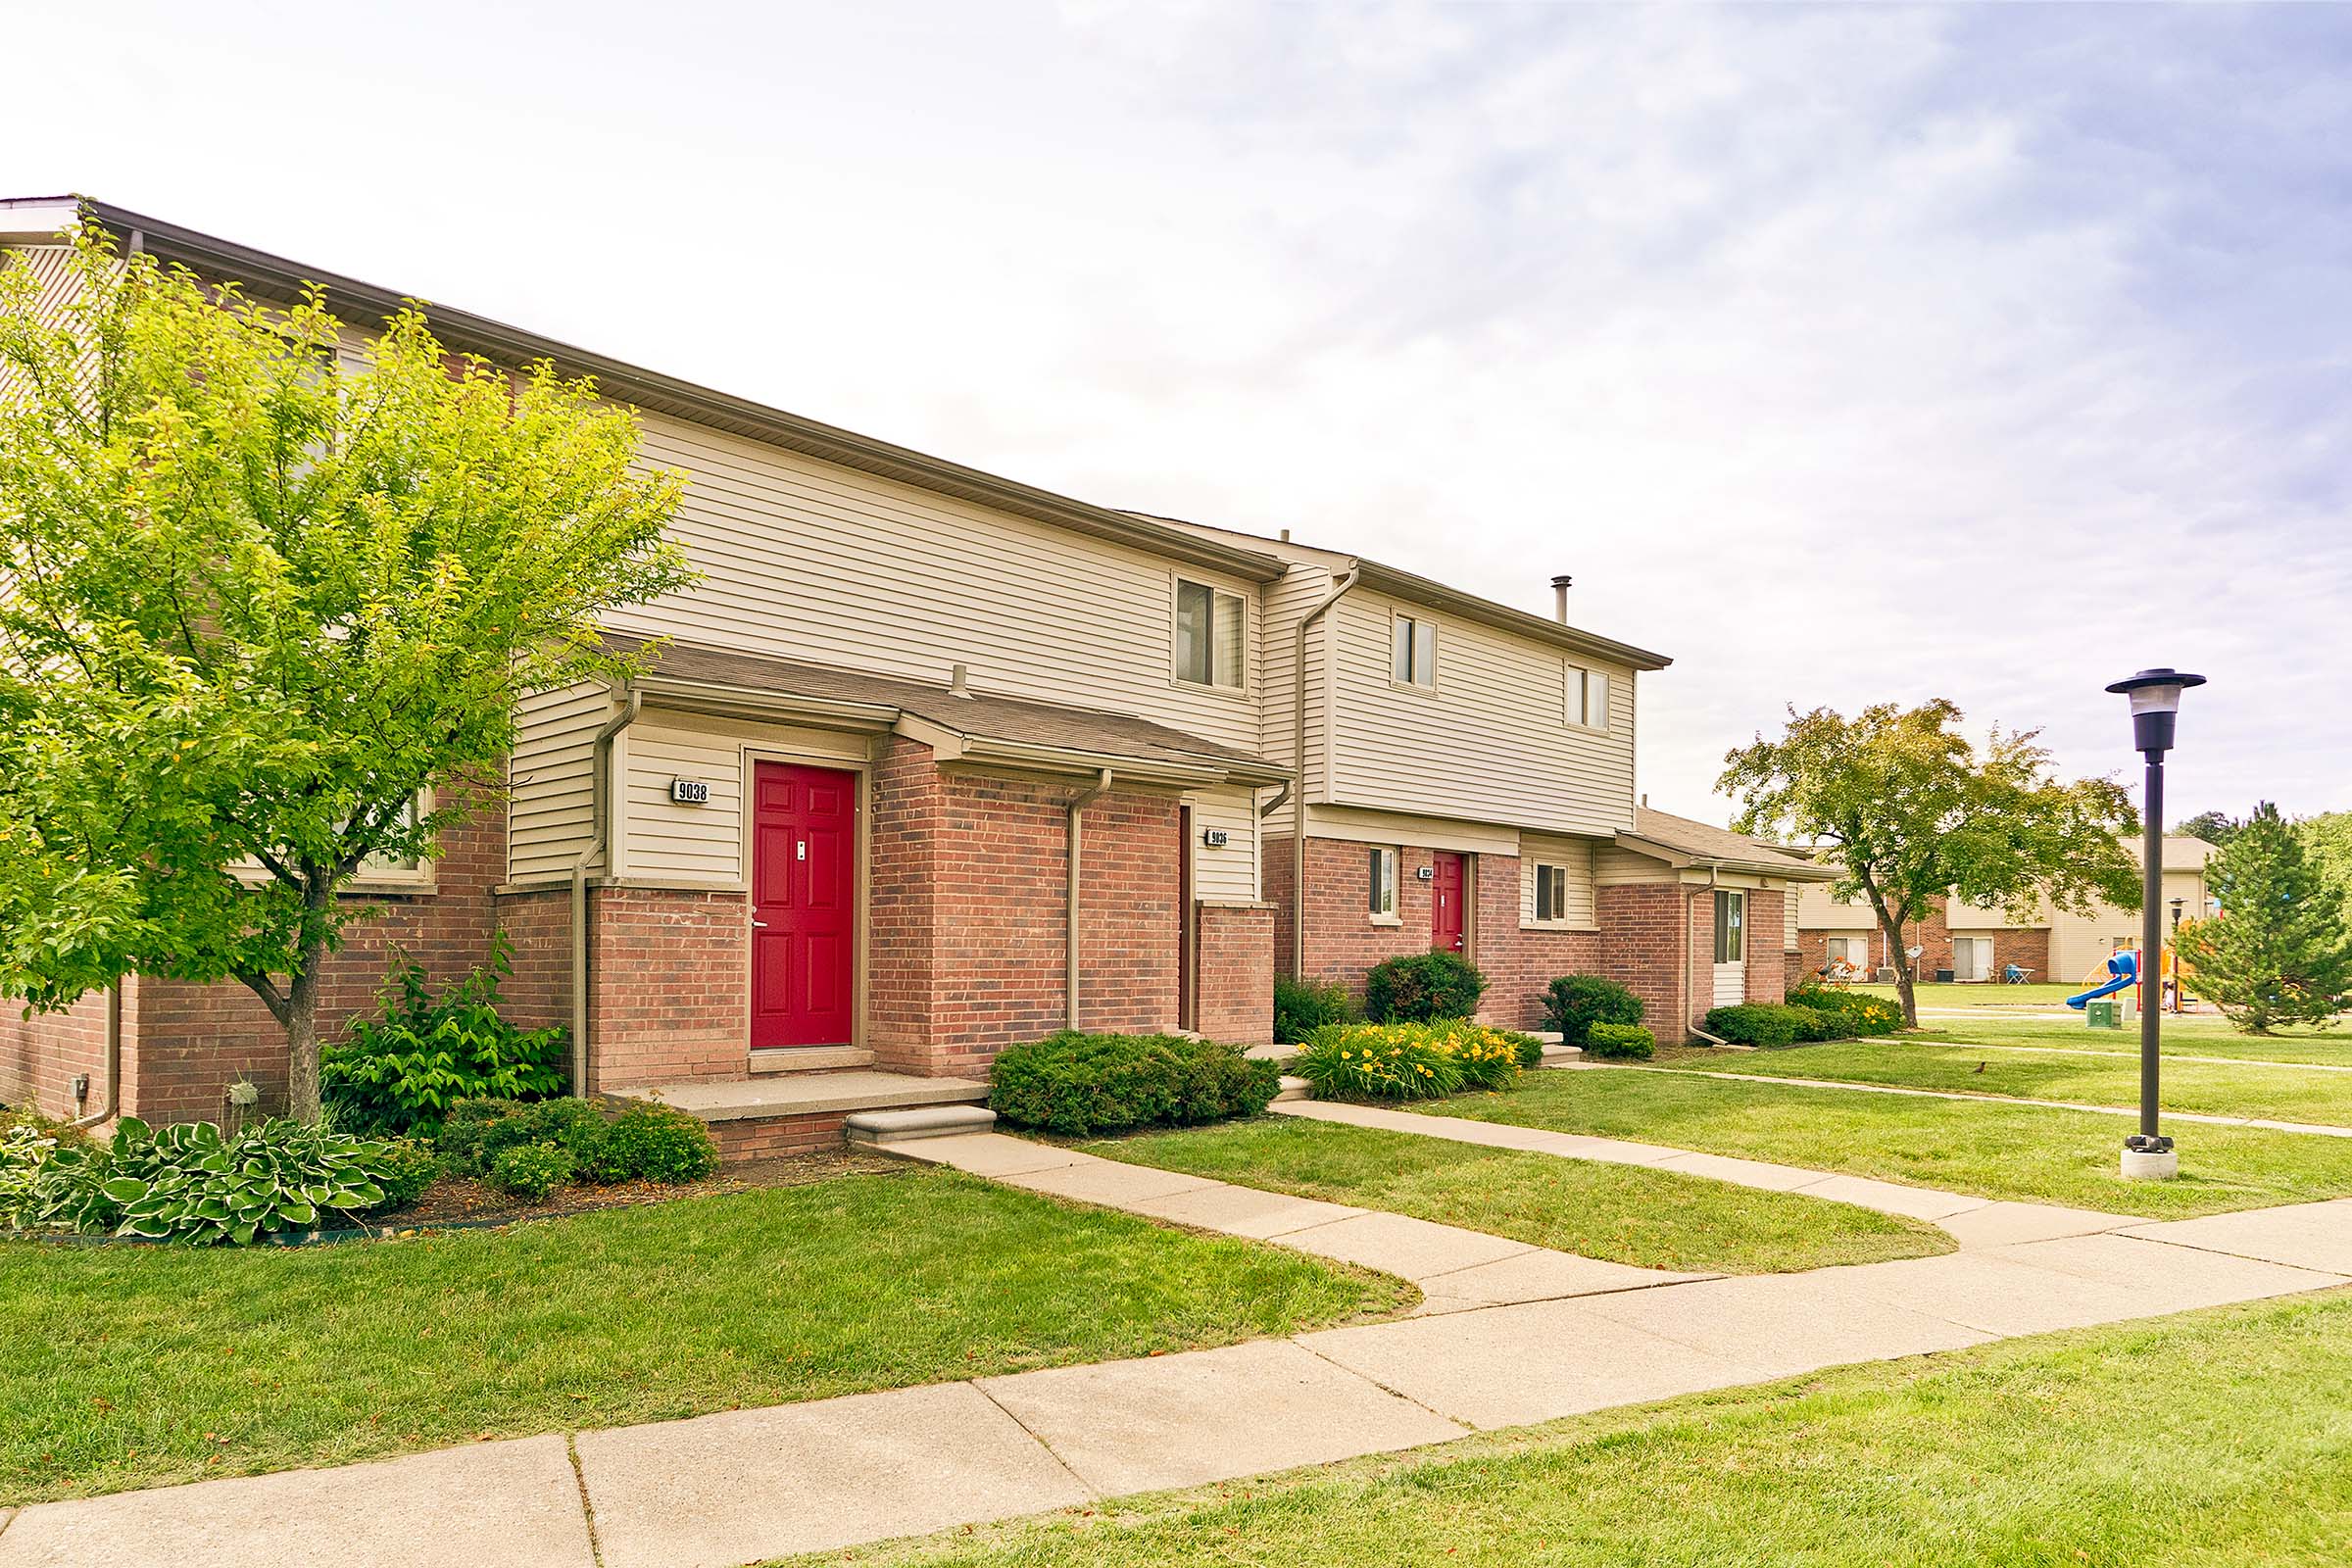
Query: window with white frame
(411, 868)
(1587, 698)
(1414, 648)
(1847, 949)
(1731, 914)
(1551, 894)
(1381, 888)
(1211, 627)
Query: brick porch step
(794, 1112)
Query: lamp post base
(2151, 1160)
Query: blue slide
(2122, 972)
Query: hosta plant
(190, 1183)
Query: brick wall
(185, 1044)
(40, 1055)
(902, 835)
(1521, 963)
(768, 1137)
(1342, 939)
(1767, 967)
(1644, 941)
(1235, 959)
(669, 981)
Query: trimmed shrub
(1856, 1014)
(1300, 1007)
(531, 1171)
(402, 1071)
(1421, 987)
(1620, 1041)
(1574, 1002)
(1081, 1084)
(1817, 1023)
(658, 1144)
(1378, 1061)
(1758, 1024)
(409, 1168)
(1530, 1048)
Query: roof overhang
(31, 220)
(1684, 859)
(1486, 612)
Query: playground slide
(2122, 972)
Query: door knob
(759, 925)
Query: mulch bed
(462, 1201)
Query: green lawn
(1652, 1219)
(1927, 1061)
(2038, 995)
(2189, 1034)
(136, 1367)
(2214, 1438)
(2015, 1151)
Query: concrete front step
(1556, 1054)
(879, 1129)
(1294, 1088)
(798, 1112)
(811, 1058)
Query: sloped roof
(1684, 838)
(1079, 733)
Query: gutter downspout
(113, 1103)
(1306, 624)
(1078, 803)
(1689, 1002)
(600, 833)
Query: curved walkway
(1512, 1335)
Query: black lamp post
(2155, 696)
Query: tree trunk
(1904, 980)
(302, 1038)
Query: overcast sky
(1845, 356)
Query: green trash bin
(2103, 1013)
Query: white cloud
(1844, 355)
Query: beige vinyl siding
(1613, 866)
(665, 840)
(1816, 910)
(1231, 872)
(1425, 832)
(1490, 741)
(1789, 916)
(1287, 602)
(2080, 944)
(804, 560)
(51, 267)
(551, 805)
(1577, 856)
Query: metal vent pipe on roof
(1559, 597)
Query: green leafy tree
(2328, 844)
(2214, 827)
(1911, 811)
(257, 592)
(2278, 952)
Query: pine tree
(2278, 952)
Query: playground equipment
(2122, 972)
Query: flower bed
(1411, 1060)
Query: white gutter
(599, 815)
(1338, 590)
(1078, 803)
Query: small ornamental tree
(1910, 811)
(2278, 952)
(255, 598)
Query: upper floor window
(1731, 914)
(1210, 624)
(1415, 661)
(1382, 885)
(1587, 698)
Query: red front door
(1446, 901)
(803, 905)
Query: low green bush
(658, 1144)
(1300, 1007)
(190, 1183)
(1082, 1084)
(478, 1131)
(1817, 1023)
(1857, 1015)
(1574, 1002)
(1420, 987)
(1758, 1024)
(401, 1071)
(531, 1171)
(1620, 1041)
(409, 1168)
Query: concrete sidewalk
(1515, 1334)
